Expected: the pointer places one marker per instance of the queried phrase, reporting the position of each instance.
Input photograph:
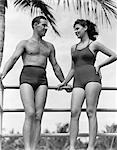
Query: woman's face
(79, 30)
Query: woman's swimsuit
(85, 71)
(33, 75)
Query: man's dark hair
(37, 19)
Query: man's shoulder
(49, 43)
(23, 43)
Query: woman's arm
(70, 73)
(112, 56)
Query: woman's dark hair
(37, 19)
(91, 28)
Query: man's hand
(69, 88)
(60, 86)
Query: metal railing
(2, 88)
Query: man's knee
(30, 114)
(75, 113)
(91, 112)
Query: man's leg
(27, 96)
(40, 100)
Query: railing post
(47, 144)
(1, 111)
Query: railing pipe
(62, 135)
(60, 110)
(55, 87)
(48, 110)
(1, 111)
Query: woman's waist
(85, 69)
(84, 66)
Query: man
(33, 82)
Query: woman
(87, 78)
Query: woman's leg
(92, 96)
(27, 96)
(77, 100)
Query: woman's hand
(98, 71)
(59, 86)
(68, 88)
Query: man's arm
(12, 60)
(57, 70)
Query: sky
(18, 27)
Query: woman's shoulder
(95, 45)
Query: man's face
(42, 27)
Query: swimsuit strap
(89, 43)
(86, 46)
(89, 48)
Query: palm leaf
(6, 3)
(35, 6)
(91, 7)
(110, 9)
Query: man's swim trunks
(33, 75)
(85, 71)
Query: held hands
(67, 87)
(1, 76)
(60, 86)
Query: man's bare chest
(37, 49)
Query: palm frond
(110, 8)
(93, 8)
(35, 6)
(6, 3)
(58, 2)
(106, 16)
